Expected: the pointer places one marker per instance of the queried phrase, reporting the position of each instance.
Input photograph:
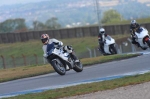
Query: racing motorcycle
(143, 38)
(61, 60)
(109, 46)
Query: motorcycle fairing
(108, 41)
(59, 53)
(140, 37)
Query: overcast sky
(9, 2)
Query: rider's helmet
(44, 38)
(102, 30)
(133, 23)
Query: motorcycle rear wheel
(58, 67)
(78, 67)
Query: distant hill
(73, 11)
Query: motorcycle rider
(101, 39)
(57, 44)
(134, 27)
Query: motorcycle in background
(143, 38)
(109, 46)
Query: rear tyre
(58, 67)
(78, 67)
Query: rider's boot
(133, 41)
(102, 50)
(69, 49)
(138, 44)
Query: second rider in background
(101, 39)
(134, 27)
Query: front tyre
(113, 49)
(58, 66)
(78, 67)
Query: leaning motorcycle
(143, 38)
(109, 46)
(61, 60)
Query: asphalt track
(94, 73)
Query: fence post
(44, 60)
(94, 53)
(4, 65)
(121, 50)
(89, 51)
(36, 59)
(24, 58)
(132, 46)
(13, 59)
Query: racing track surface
(92, 73)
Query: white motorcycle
(109, 46)
(61, 61)
(143, 38)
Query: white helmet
(102, 30)
(133, 22)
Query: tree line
(19, 25)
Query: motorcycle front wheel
(113, 49)
(58, 66)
